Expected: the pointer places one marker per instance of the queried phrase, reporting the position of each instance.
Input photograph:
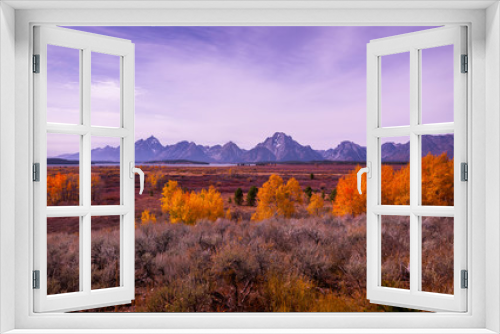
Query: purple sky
(214, 84)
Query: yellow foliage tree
(189, 207)
(277, 198)
(315, 205)
(152, 179)
(147, 217)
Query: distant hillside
(280, 147)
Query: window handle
(134, 170)
(368, 171)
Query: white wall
(492, 164)
(7, 160)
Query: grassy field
(302, 264)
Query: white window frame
(86, 44)
(484, 103)
(414, 43)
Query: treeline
(280, 199)
(437, 186)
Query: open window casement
(414, 296)
(82, 131)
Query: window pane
(437, 170)
(105, 157)
(395, 251)
(63, 85)
(395, 173)
(437, 254)
(105, 252)
(437, 84)
(63, 169)
(63, 263)
(395, 89)
(105, 90)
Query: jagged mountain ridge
(278, 148)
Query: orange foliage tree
(437, 180)
(437, 186)
(189, 207)
(62, 188)
(277, 198)
(395, 185)
(348, 200)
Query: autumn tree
(437, 180)
(437, 186)
(348, 200)
(189, 207)
(152, 179)
(238, 196)
(147, 217)
(277, 198)
(62, 188)
(316, 205)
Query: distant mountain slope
(345, 151)
(278, 148)
(284, 148)
(147, 150)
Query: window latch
(134, 170)
(368, 171)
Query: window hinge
(465, 279)
(36, 172)
(36, 63)
(465, 64)
(36, 279)
(464, 171)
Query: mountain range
(278, 148)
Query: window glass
(437, 254)
(395, 89)
(437, 84)
(395, 252)
(395, 173)
(63, 85)
(106, 184)
(63, 255)
(105, 90)
(105, 252)
(63, 169)
(437, 170)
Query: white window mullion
(127, 241)
(373, 184)
(86, 176)
(414, 172)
